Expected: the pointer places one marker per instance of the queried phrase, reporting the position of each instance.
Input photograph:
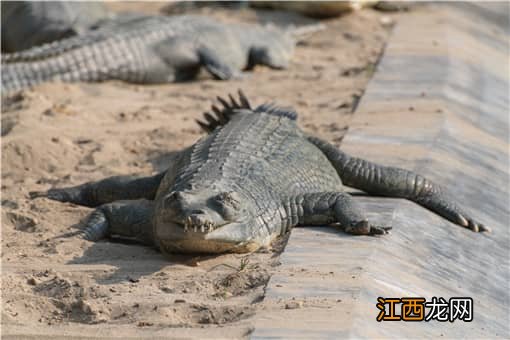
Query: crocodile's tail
(19, 76)
(85, 64)
(66, 68)
(52, 49)
(44, 63)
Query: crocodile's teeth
(195, 228)
(210, 228)
(202, 228)
(186, 228)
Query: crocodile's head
(206, 221)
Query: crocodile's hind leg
(183, 58)
(93, 194)
(127, 219)
(328, 208)
(216, 66)
(394, 182)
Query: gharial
(151, 50)
(252, 178)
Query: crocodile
(152, 50)
(252, 178)
(30, 23)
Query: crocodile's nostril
(197, 212)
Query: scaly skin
(150, 49)
(394, 182)
(252, 178)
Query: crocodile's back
(264, 156)
(243, 176)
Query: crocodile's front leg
(93, 194)
(394, 182)
(328, 208)
(128, 219)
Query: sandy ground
(61, 135)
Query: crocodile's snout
(191, 212)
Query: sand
(56, 284)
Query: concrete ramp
(438, 104)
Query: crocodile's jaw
(232, 237)
(206, 247)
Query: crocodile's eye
(230, 199)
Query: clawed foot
(76, 195)
(379, 230)
(469, 223)
(97, 226)
(364, 228)
(478, 227)
(61, 195)
(226, 74)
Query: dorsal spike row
(221, 116)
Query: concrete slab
(438, 104)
